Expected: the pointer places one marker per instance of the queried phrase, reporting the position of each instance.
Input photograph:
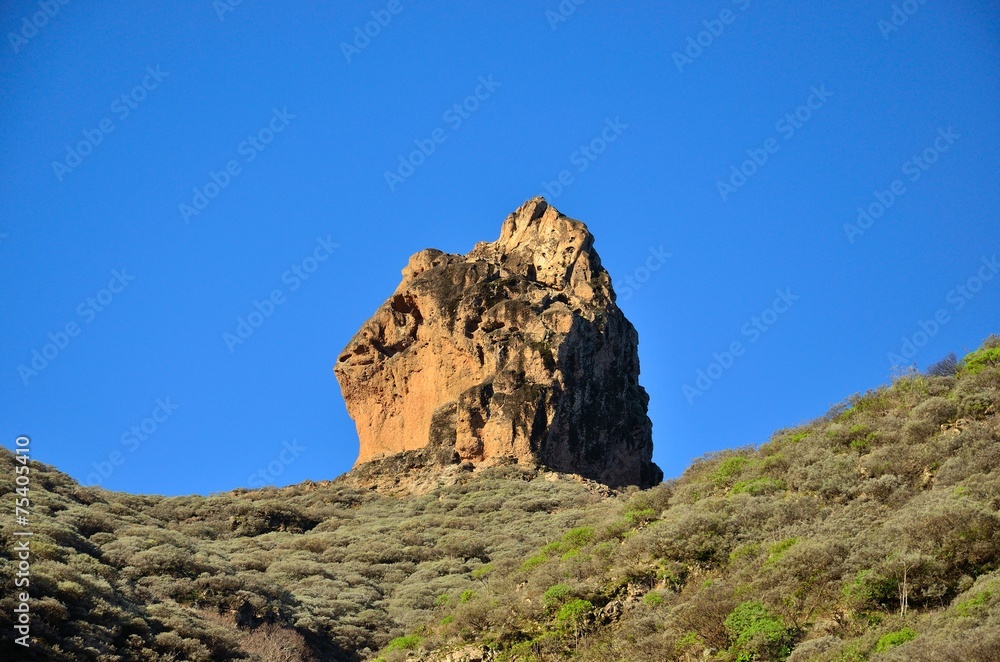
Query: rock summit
(513, 353)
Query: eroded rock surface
(515, 352)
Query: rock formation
(515, 352)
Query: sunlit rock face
(515, 352)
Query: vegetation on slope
(869, 534)
(319, 567)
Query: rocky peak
(513, 353)
(539, 243)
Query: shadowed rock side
(515, 352)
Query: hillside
(871, 533)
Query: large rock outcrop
(515, 352)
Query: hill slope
(871, 533)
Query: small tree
(905, 565)
(574, 614)
(946, 367)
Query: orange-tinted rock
(515, 352)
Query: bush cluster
(871, 533)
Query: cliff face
(515, 352)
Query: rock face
(515, 352)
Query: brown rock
(515, 352)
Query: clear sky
(166, 167)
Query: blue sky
(746, 138)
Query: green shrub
(896, 638)
(748, 550)
(533, 562)
(729, 469)
(688, 641)
(579, 536)
(779, 548)
(556, 595)
(639, 516)
(408, 643)
(482, 571)
(870, 589)
(979, 360)
(574, 612)
(571, 554)
(653, 599)
(758, 486)
(974, 605)
(877, 401)
(755, 633)
(863, 444)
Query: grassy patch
(896, 638)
